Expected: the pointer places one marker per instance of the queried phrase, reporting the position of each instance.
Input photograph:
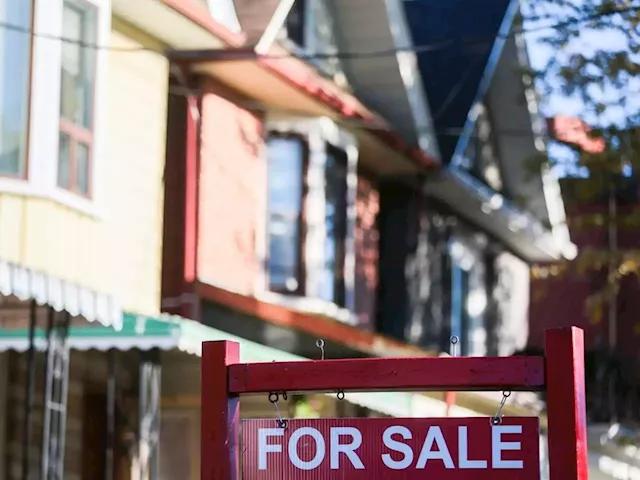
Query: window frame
(465, 259)
(23, 163)
(300, 268)
(319, 133)
(78, 134)
(339, 250)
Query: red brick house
(294, 212)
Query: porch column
(29, 393)
(111, 414)
(149, 415)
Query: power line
(416, 49)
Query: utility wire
(417, 49)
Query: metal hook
(497, 419)
(454, 340)
(320, 345)
(273, 398)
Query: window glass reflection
(336, 225)
(285, 185)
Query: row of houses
(271, 172)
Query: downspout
(192, 194)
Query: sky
(588, 41)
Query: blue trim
(492, 63)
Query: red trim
(303, 77)
(192, 147)
(403, 374)
(200, 15)
(316, 325)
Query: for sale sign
(380, 448)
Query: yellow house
(86, 204)
(83, 115)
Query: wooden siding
(118, 250)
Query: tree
(593, 53)
(594, 50)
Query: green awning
(167, 332)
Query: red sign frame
(392, 448)
(560, 373)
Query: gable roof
(454, 75)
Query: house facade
(320, 186)
(80, 219)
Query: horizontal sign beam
(403, 374)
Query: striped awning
(173, 333)
(25, 284)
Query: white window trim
(319, 132)
(412, 78)
(45, 111)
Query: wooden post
(566, 407)
(219, 413)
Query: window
(15, 61)
(310, 27)
(309, 233)
(286, 158)
(296, 23)
(468, 299)
(76, 97)
(333, 285)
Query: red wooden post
(219, 409)
(566, 408)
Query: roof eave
(520, 231)
(179, 24)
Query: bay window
(77, 97)
(310, 233)
(15, 67)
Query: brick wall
(561, 300)
(366, 237)
(232, 198)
